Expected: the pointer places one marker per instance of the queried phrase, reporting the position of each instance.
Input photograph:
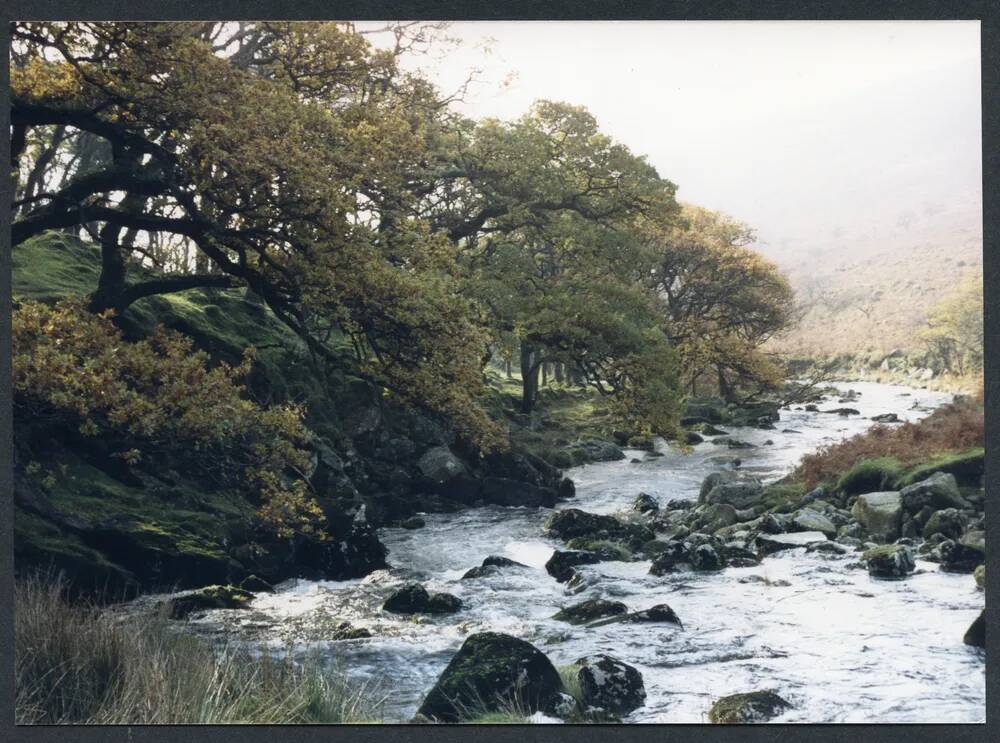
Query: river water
(840, 646)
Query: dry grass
(74, 664)
(955, 427)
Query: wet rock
(711, 518)
(691, 438)
(673, 552)
(755, 706)
(347, 631)
(572, 522)
(588, 611)
(502, 491)
(962, 556)
(204, 599)
(610, 685)
(828, 547)
(892, 561)
(980, 575)
(841, 411)
(607, 550)
(414, 522)
(679, 504)
(413, 598)
(492, 672)
(660, 613)
(738, 491)
(491, 566)
(560, 565)
(880, 513)
(705, 557)
(595, 450)
(949, 522)
(645, 503)
(707, 429)
(938, 491)
(976, 634)
(886, 418)
(768, 544)
(810, 520)
(566, 489)
(811, 408)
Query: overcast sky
(802, 129)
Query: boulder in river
(739, 491)
(595, 450)
(768, 544)
(491, 566)
(948, 522)
(809, 519)
(653, 615)
(880, 513)
(492, 672)
(705, 557)
(976, 634)
(980, 576)
(609, 685)
(890, 561)
(886, 418)
(413, 598)
(203, 599)
(572, 522)
(503, 491)
(560, 565)
(938, 491)
(963, 556)
(754, 706)
(842, 411)
(645, 503)
(590, 610)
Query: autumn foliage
(156, 397)
(951, 428)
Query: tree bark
(529, 378)
(558, 372)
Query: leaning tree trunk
(726, 391)
(557, 370)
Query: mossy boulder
(609, 685)
(204, 599)
(938, 491)
(976, 634)
(493, 672)
(811, 520)
(890, 561)
(595, 450)
(560, 565)
(736, 490)
(880, 513)
(751, 707)
(413, 598)
(646, 504)
(572, 522)
(967, 467)
(660, 613)
(948, 522)
(962, 556)
(589, 611)
(607, 549)
(706, 558)
(491, 565)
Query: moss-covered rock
(967, 467)
(413, 598)
(976, 634)
(493, 672)
(869, 476)
(962, 556)
(560, 565)
(607, 549)
(948, 522)
(572, 522)
(890, 561)
(880, 513)
(589, 611)
(203, 599)
(938, 491)
(751, 707)
(609, 685)
(660, 613)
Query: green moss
(608, 549)
(54, 265)
(782, 497)
(967, 467)
(869, 476)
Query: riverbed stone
(890, 561)
(706, 558)
(609, 684)
(976, 634)
(811, 520)
(938, 491)
(560, 565)
(768, 544)
(413, 598)
(645, 503)
(590, 610)
(751, 707)
(489, 673)
(204, 599)
(739, 492)
(660, 613)
(949, 522)
(962, 556)
(880, 513)
(572, 522)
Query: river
(840, 646)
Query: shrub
(158, 396)
(957, 427)
(75, 665)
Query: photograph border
(748, 10)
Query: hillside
(868, 293)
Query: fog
(809, 131)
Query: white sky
(802, 129)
